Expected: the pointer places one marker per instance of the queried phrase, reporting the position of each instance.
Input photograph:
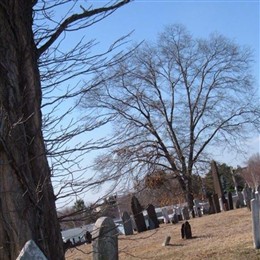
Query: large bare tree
(173, 100)
(251, 173)
(30, 38)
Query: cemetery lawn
(225, 235)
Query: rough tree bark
(27, 202)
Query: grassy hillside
(226, 235)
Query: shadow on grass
(202, 236)
(172, 245)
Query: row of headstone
(137, 222)
(243, 198)
(104, 237)
(129, 223)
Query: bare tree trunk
(186, 187)
(27, 202)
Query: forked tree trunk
(27, 203)
(187, 191)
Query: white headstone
(165, 215)
(31, 251)
(255, 223)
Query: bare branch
(76, 17)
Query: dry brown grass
(226, 235)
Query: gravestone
(255, 222)
(216, 203)
(138, 215)
(247, 196)
(216, 179)
(31, 251)
(175, 219)
(88, 237)
(178, 212)
(185, 213)
(127, 224)
(165, 215)
(240, 200)
(221, 204)
(193, 212)
(66, 245)
(105, 240)
(196, 206)
(258, 189)
(166, 241)
(257, 195)
(218, 188)
(152, 217)
(133, 222)
(225, 203)
(253, 194)
(199, 212)
(151, 225)
(211, 205)
(186, 230)
(230, 201)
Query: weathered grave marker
(211, 205)
(133, 222)
(127, 224)
(138, 215)
(152, 217)
(193, 215)
(178, 211)
(166, 241)
(185, 213)
(240, 200)
(186, 230)
(216, 203)
(230, 201)
(196, 206)
(199, 212)
(255, 223)
(216, 179)
(165, 215)
(175, 219)
(247, 196)
(105, 239)
(225, 203)
(31, 251)
(217, 185)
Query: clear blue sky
(237, 20)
